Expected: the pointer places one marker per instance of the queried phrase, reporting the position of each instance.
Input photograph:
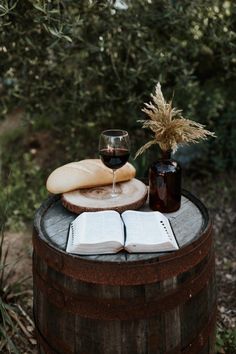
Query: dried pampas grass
(169, 127)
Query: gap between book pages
(108, 232)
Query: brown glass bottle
(165, 184)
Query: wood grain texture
(131, 196)
(171, 319)
(188, 223)
(70, 313)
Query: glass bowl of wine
(114, 150)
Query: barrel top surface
(52, 223)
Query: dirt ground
(19, 294)
(20, 254)
(222, 207)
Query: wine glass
(114, 150)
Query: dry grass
(170, 128)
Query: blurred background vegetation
(69, 69)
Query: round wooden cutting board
(132, 195)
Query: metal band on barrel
(120, 309)
(128, 273)
(194, 347)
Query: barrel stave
(163, 332)
(124, 304)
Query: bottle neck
(166, 155)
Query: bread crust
(85, 174)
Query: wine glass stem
(113, 192)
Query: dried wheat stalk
(169, 127)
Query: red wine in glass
(114, 147)
(114, 158)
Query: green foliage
(23, 191)
(226, 341)
(8, 324)
(79, 67)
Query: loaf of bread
(85, 174)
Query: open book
(109, 232)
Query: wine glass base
(114, 195)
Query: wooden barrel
(125, 303)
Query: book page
(96, 232)
(69, 245)
(148, 229)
